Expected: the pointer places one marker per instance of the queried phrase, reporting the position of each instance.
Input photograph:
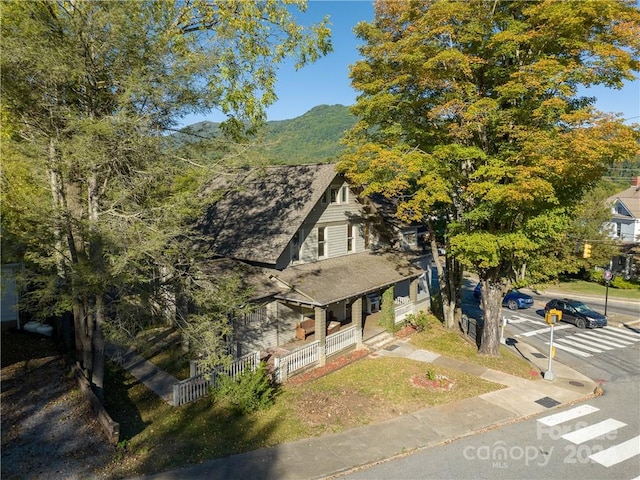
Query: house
(311, 250)
(625, 226)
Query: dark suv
(578, 313)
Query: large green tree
(470, 112)
(92, 189)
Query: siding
(278, 329)
(334, 217)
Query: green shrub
(248, 392)
(388, 311)
(622, 284)
(419, 321)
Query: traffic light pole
(549, 375)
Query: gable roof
(262, 208)
(630, 198)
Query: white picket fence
(198, 384)
(309, 354)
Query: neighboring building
(10, 297)
(313, 254)
(625, 227)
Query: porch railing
(295, 360)
(341, 340)
(309, 354)
(403, 310)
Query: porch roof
(348, 276)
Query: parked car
(513, 300)
(578, 313)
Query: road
(599, 438)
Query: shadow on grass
(157, 437)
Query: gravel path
(48, 428)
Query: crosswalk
(601, 434)
(586, 343)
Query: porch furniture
(304, 328)
(307, 327)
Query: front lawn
(157, 437)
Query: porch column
(356, 319)
(321, 333)
(413, 291)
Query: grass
(582, 287)
(452, 344)
(157, 437)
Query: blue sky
(326, 82)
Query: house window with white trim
(344, 195)
(349, 237)
(322, 231)
(618, 229)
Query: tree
(89, 91)
(469, 111)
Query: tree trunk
(97, 316)
(492, 292)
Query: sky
(326, 82)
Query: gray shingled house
(318, 258)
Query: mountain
(313, 137)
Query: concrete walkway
(328, 455)
(156, 380)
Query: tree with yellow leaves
(470, 112)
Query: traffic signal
(586, 252)
(553, 316)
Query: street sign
(608, 275)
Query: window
(321, 241)
(296, 245)
(349, 237)
(618, 229)
(333, 195)
(366, 236)
(344, 194)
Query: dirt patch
(48, 428)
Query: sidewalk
(329, 455)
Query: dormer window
(338, 195)
(333, 195)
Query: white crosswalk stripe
(584, 341)
(621, 334)
(576, 344)
(543, 330)
(580, 353)
(618, 453)
(571, 414)
(611, 456)
(591, 336)
(593, 431)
